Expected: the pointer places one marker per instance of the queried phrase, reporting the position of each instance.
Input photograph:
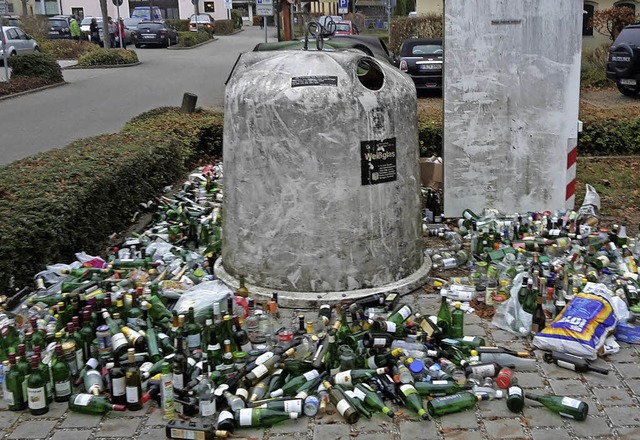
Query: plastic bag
(201, 297)
(589, 212)
(583, 326)
(510, 316)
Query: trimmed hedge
(180, 25)
(236, 17)
(423, 26)
(108, 57)
(223, 27)
(72, 199)
(189, 39)
(36, 65)
(66, 49)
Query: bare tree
(106, 38)
(610, 22)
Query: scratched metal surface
(296, 214)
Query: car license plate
(148, 36)
(429, 66)
(628, 82)
(53, 33)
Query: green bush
(180, 25)
(108, 57)
(423, 26)
(223, 27)
(236, 17)
(189, 39)
(36, 65)
(593, 67)
(66, 49)
(256, 20)
(36, 26)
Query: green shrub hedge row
(189, 39)
(68, 200)
(223, 27)
(108, 57)
(180, 25)
(36, 65)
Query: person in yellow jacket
(74, 28)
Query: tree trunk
(106, 38)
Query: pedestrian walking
(94, 31)
(74, 28)
(111, 27)
(120, 34)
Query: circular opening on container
(370, 74)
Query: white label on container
(260, 371)
(207, 408)
(194, 341)
(440, 382)
(566, 415)
(407, 389)
(449, 263)
(224, 415)
(515, 391)
(213, 347)
(379, 342)
(8, 397)
(359, 393)
(178, 407)
(118, 386)
(37, 398)
(573, 403)
(391, 326)
(567, 365)
(293, 406)
(178, 381)
(245, 416)
(79, 359)
(344, 377)
(242, 392)
(342, 406)
(132, 395)
(264, 357)
(63, 388)
(118, 340)
(371, 362)
(187, 435)
(310, 375)
(468, 338)
(405, 311)
(82, 399)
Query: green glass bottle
(350, 377)
(157, 310)
(118, 383)
(437, 388)
(133, 383)
(23, 364)
(515, 397)
(119, 343)
(457, 322)
(134, 314)
(261, 417)
(412, 400)
(354, 400)
(194, 339)
(87, 334)
(365, 393)
(309, 388)
(46, 374)
(61, 375)
(444, 317)
(15, 397)
(340, 402)
(291, 387)
(36, 385)
(151, 339)
(454, 403)
(38, 337)
(344, 330)
(562, 405)
(91, 404)
(400, 314)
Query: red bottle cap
(118, 407)
(504, 378)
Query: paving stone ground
(614, 407)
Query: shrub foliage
(36, 65)
(66, 49)
(223, 27)
(423, 26)
(189, 39)
(108, 57)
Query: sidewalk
(613, 399)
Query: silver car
(16, 42)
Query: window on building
(78, 12)
(587, 18)
(209, 7)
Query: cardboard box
(432, 172)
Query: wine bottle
(291, 387)
(572, 362)
(133, 383)
(92, 404)
(261, 371)
(119, 343)
(37, 398)
(46, 374)
(309, 387)
(357, 403)
(439, 406)
(437, 388)
(93, 382)
(194, 337)
(284, 404)
(564, 406)
(365, 393)
(377, 340)
(400, 314)
(181, 429)
(444, 317)
(457, 322)
(14, 378)
(118, 387)
(539, 319)
(353, 376)
(61, 375)
(337, 398)
(412, 400)
(261, 417)
(515, 397)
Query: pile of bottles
(104, 335)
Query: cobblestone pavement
(614, 402)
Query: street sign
(264, 8)
(3, 7)
(228, 4)
(343, 6)
(117, 2)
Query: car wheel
(630, 91)
(137, 45)
(167, 43)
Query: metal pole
(264, 20)
(4, 54)
(389, 19)
(118, 28)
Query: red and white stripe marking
(572, 159)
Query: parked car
(201, 21)
(11, 20)
(156, 33)
(422, 59)
(59, 27)
(17, 42)
(143, 13)
(623, 65)
(346, 28)
(84, 26)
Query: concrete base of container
(314, 299)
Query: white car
(16, 42)
(84, 25)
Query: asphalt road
(97, 101)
